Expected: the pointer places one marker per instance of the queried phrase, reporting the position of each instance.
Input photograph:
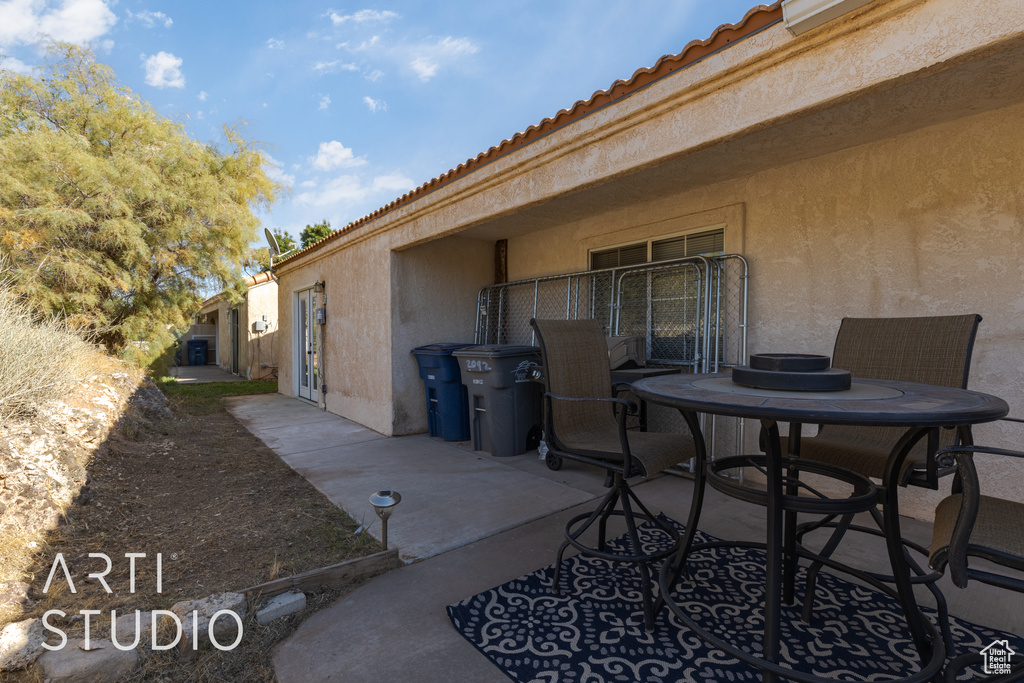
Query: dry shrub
(38, 356)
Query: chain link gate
(691, 312)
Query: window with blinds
(708, 243)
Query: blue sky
(357, 104)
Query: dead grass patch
(39, 357)
(224, 512)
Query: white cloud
(73, 21)
(363, 16)
(150, 19)
(429, 58)
(163, 70)
(325, 102)
(425, 68)
(336, 65)
(373, 42)
(375, 105)
(307, 183)
(202, 96)
(375, 75)
(333, 155)
(351, 189)
(275, 44)
(15, 65)
(275, 172)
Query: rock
(282, 606)
(14, 593)
(151, 402)
(126, 629)
(225, 629)
(20, 644)
(43, 456)
(102, 663)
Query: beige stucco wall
(259, 350)
(380, 305)
(869, 167)
(434, 300)
(255, 349)
(356, 364)
(927, 223)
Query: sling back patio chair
(927, 350)
(971, 525)
(585, 422)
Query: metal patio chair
(971, 525)
(585, 422)
(928, 350)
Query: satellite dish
(272, 241)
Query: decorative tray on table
(791, 372)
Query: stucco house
(863, 158)
(242, 339)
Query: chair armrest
(970, 498)
(630, 405)
(630, 409)
(948, 457)
(621, 386)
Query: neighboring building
(872, 165)
(242, 339)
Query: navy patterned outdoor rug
(594, 631)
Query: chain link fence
(690, 312)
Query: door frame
(305, 297)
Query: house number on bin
(477, 366)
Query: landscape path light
(384, 503)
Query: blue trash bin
(447, 400)
(197, 351)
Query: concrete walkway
(195, 374)
(475, 522)
(451, 496)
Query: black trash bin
(504, 401)
(447, 403)
(197, 351)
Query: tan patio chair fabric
(574, 354)
(928, 350)
(576, 366)
(970, 525)
(999, 527)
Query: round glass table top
(866, 402)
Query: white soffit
(803, 15)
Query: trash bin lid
(438, 349)
(497, 351)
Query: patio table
(917, 407)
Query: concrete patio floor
(469, 522)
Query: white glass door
(306, 345)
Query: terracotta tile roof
(756, 19)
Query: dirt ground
(220, 507)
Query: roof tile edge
(756, 18)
